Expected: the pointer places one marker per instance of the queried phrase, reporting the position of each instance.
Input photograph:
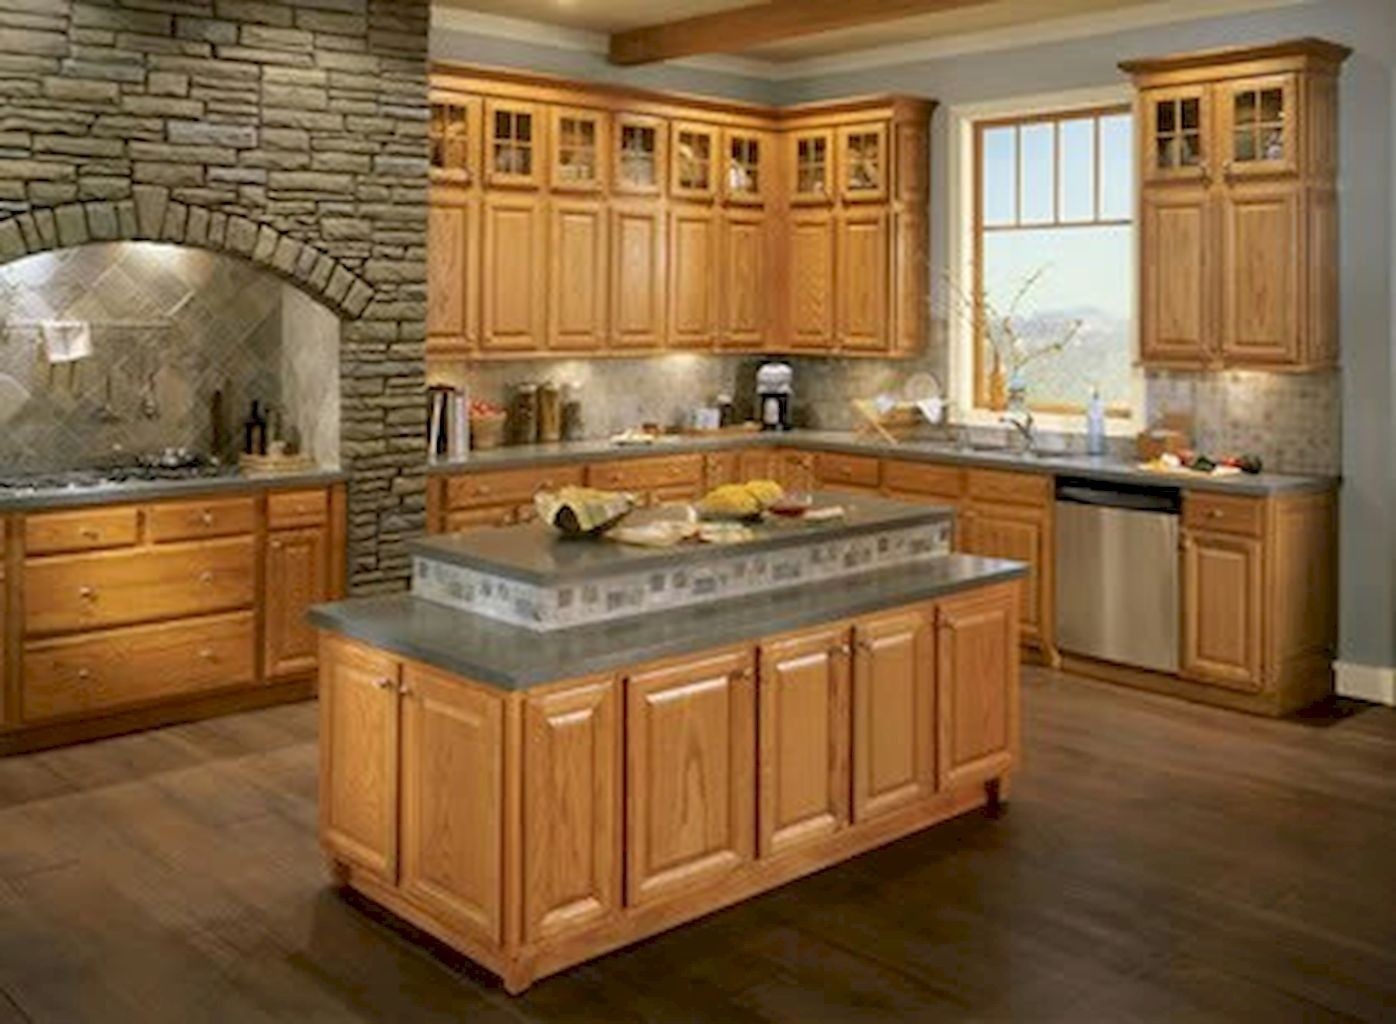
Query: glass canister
(571, 413)
(549, 413)
(524, 420)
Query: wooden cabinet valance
(587, 220)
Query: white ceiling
(587, 23)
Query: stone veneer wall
(292, 134)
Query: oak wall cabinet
(1237, 156)
(589, 220)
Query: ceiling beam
(769, 22)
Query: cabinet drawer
(647, 474)
(1224, 514)
(847, 470)
(129, 666)
(119, 588)
(194, 520)
(89, 529)
(484, 518)
(1014, 488)
(923, 478)
(510, 486)
(297, 508)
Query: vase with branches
(1014, 342)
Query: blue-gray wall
(1367, 210)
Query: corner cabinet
(1237, 158)
(565, 218)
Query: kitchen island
(629, 739)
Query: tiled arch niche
(287, 133)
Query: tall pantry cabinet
(1238, 213)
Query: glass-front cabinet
(514, 145)
(454, 138)
(863, 163)
(579, 148)
(695, 161)
(1258, 125)
(640, 155)
(1176, 139)
(812, 164)
(744, 167)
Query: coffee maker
(773, 395)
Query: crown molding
(1160, 12)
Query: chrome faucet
(1025, 426)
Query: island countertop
(514, 658)
(536, 553)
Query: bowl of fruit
(486, 424)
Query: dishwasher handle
(1133, 497)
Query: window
(1052, 300)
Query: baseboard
(1376, 683)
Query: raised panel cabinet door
(514, 301)
(637, 275)
(1222, 601)
(805, 729)
(1262, 256)
(863, 298)
(977, 686)
(1177, 277)
(893, 713)
(359, 756)
(453, 239)
(757, 464)
(745, 282)
(571, 808)
(452, 830)
(690, 774)
(795, 471)
(1175, 134)
(693, 272)
(1019, 533)
(297, 577)
(811, 261)
(577, 295)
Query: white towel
(66, 341)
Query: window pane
(1000, 158)
(1038, 173)
(1087, 275)
(1116, 167)
(1077, 169)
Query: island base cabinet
(690, 763)
(533, 830)
(977, 664)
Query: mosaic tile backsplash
(1292, 421)
(548, 608)
(169, 326)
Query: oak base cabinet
(535, 829)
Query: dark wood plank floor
(1160, 862)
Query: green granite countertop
(1104, 468)
(514, 658)
(537, 554)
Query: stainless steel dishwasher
(1117, 572)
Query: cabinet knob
(206, 654)
(741, 675)
(91, 533)
(841, 650)
(84, 674)
(277, 545)
(87, 593)
(384, 683)
(206, 577)
(1214, 513)
(866, 646)
(404, 690)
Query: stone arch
(152, 216)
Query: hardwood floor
(1160, 861)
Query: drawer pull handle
(1215, 513)
(206, 654)
(84, 674)
(87, 593)
(91, 533)
(206, 577)
(206, 517)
